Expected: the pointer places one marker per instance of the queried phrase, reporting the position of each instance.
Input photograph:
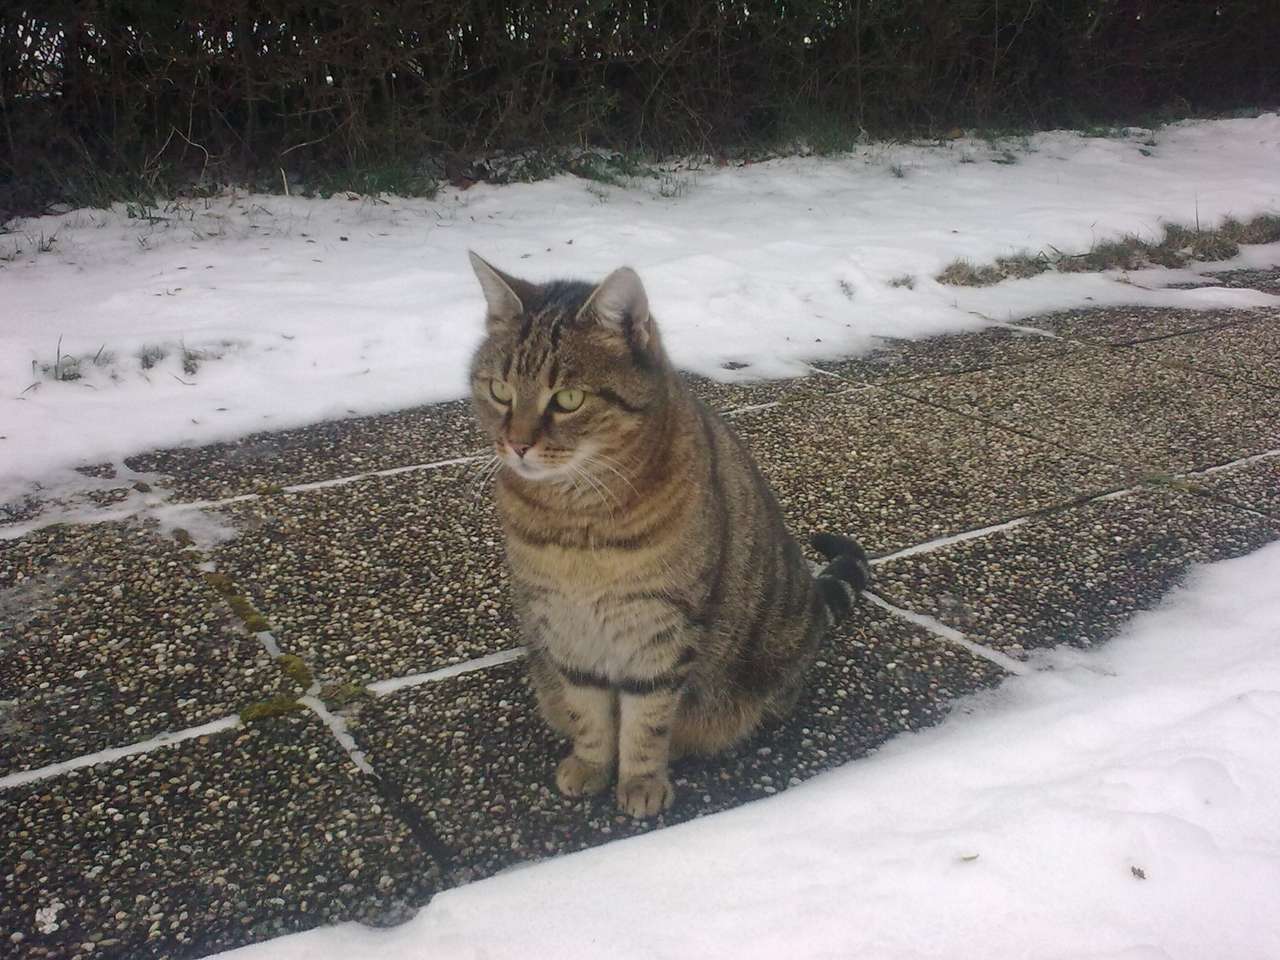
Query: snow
(312, 309)
(1117, 803)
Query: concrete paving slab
(1266, 280)
(321, 451)
(733, 395)
(473, 757)
(1118, 326)
(343, 448)
(1255, 486)
(1249, 352)
(109, 636)
(385, 577)
(1073, 576)
(953, 353)
(1119, 405)
(202, 846)
(892, 471)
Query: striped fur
(664, 605)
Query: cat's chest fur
(589, 614)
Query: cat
(664, 607)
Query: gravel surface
(1268, 281)
(1249, 352)
(745, 393)
(472, 755)
(1122, 406)
(388, 576)
(956, 353)
(1126, 325)
(1074, 576)
(1254, 485)
(343, 448)
(321, 451)
(892, 471)
(203, 846)
(108, 636)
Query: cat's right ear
(505, 295)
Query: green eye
(568, 400)
(501, 392)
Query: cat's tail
(846, 574)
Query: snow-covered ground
(296, 310)
(1121, 804)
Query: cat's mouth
(534, 466)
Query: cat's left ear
(620, 305)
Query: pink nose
(520, 448)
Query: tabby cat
(665, 608)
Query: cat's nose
(520, 448)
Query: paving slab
(381, 578)
(732, 395)
(109, 636)
(1249, 352)
(322, 451)
(951, 353)
(1073, 576)
(1255, 486)
(1121, 406)
(1265, 280)
(1118, 326)
(892, 471)
(342, 448)
(473, 757)
(200, 847)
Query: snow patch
(297, 310)
(1122, 802)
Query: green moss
(273, 707)
(338, 695)
(221, 583)
(296, 669)
(238, 602)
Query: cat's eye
(500, 391)
(568, 401)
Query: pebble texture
(389, 576)
(1125, 325)
(322, 451)
(344, 448)
(1267, 281)
(1075, 576)
(1253, 485)
(891, 471)
(957, 353)
(108, 636)
(729, 396)
(203, 846)
(473, 756)
(1120, 406)
(1249, 352)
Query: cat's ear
(620, 305)
(505, 295)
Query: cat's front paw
(577, 777)
(645, 796)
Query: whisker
(596, 485)
(602, 460)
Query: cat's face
(568, 376)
